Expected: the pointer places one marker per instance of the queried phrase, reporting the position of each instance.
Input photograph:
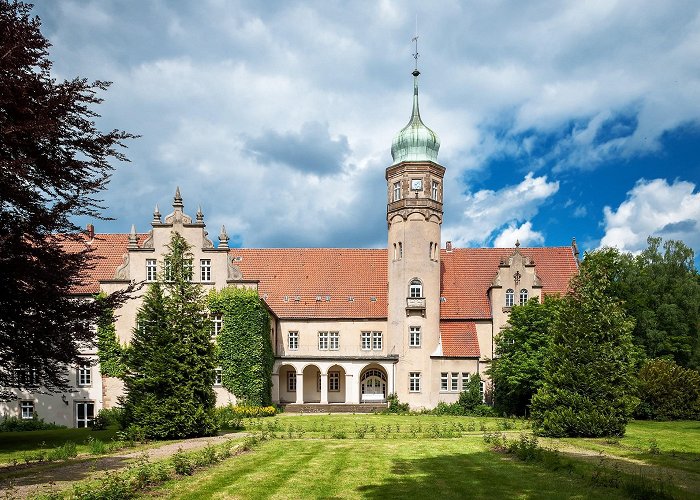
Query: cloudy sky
(557, 119)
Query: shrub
(395, 406)
(112, 417)
(16, 424)
(182, 464)
(64, 452)
(231, 417)
(96, 446)
(668, 391)
(470, 398)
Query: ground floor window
(217, 376)
(454, 381)
(482, 391)
(84, 413)
(334, 381)
(26, 409)
(443, 381)
(465, 381)
(414, 382)
(291, 382)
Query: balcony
(415, 305)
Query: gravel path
(43, 478)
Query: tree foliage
(471, 397)
(53, 163)
(668, 391)
(171, 358)
(588, 385)
(109, 351)
(521, 352)
(245, 350)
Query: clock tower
(414, 217)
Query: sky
(556, 119)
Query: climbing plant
(109, 351)
(244, 347)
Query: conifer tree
(588, 385)
(169, 384)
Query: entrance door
(373, 386)
(85, 413)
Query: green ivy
(245, 350)
(109, 351)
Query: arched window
(395, 254)
(523, 297)
(415, 289)
(510, 297)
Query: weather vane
(415, 40)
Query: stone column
(352, 389)
(275, 387)
(300, 388)
(324, 388)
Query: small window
(482, 391)
(435, 190)
(415, 289)
(397, 191)
(84, 375)
(523, 296)
(291, 382)
(26, 377)
(414, 336)
(151, 269)
(396, 255)
(454, 381)
(414, 382)
(26, 410)
(465, 381)
(217, 376)
(366, 341)
(323, 341)
(293, 340)
(510, 297)
(334, 381)
(334, 341)
(400, 250)
(377, 341)
(443, 381)
(216, 325)
(205, 269)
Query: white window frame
(218, 372)
(465, 381)
(482, 390)
(291, 381)
(217, 323)
(86, 421)
(414, 336)
(377, 341)
(151, 270)
(84, 375)
(366, 341)
(523, 296)
(435, 190)
(414, 381)
(322, 341)
(397, 191)
(415, 289)
(510, 297)
(443, 382)
(26, 410)
(334, 381)
(293, 340)
(205, 270)
(333, 341)
(454, 381)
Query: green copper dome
(415, 142)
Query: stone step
(334, 408)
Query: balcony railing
(415, 304)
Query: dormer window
(397, 191)
(510, 297)
(523, 296)
(415, 289)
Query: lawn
(386, 456)
(14, 445)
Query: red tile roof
(467, 273)
(459, 339)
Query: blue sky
(557, 120)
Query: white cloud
(523, 234)
(486, 211)
(654, 208)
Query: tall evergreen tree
(521, 351)
(171, 361)
(53, 163)
(588, 385)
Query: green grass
(354, 468)
(15, 445)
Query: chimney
(448, 246)
(90, 230)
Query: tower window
(414, 336)
(400, 250)
(434, 191)
(397, 191)
(415, 289)
(523, 296)
(510, 297)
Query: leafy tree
(170, 378)
(521, 351)
(668, 391)
(53, 162)
(588, 386)
(471, 398)
(245, 349)
(109, 351)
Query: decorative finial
(223, 238)
(574, 247)
(200, 215)
(517, 243)
(177, 202)
(415, 54)
(156, 215)
(133, 241)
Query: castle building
(348, 326)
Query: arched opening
(312, 384)
(415, 289)
(510, 297)
(373, 384)
(523, 296)
(336, 384)
(288, 384)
